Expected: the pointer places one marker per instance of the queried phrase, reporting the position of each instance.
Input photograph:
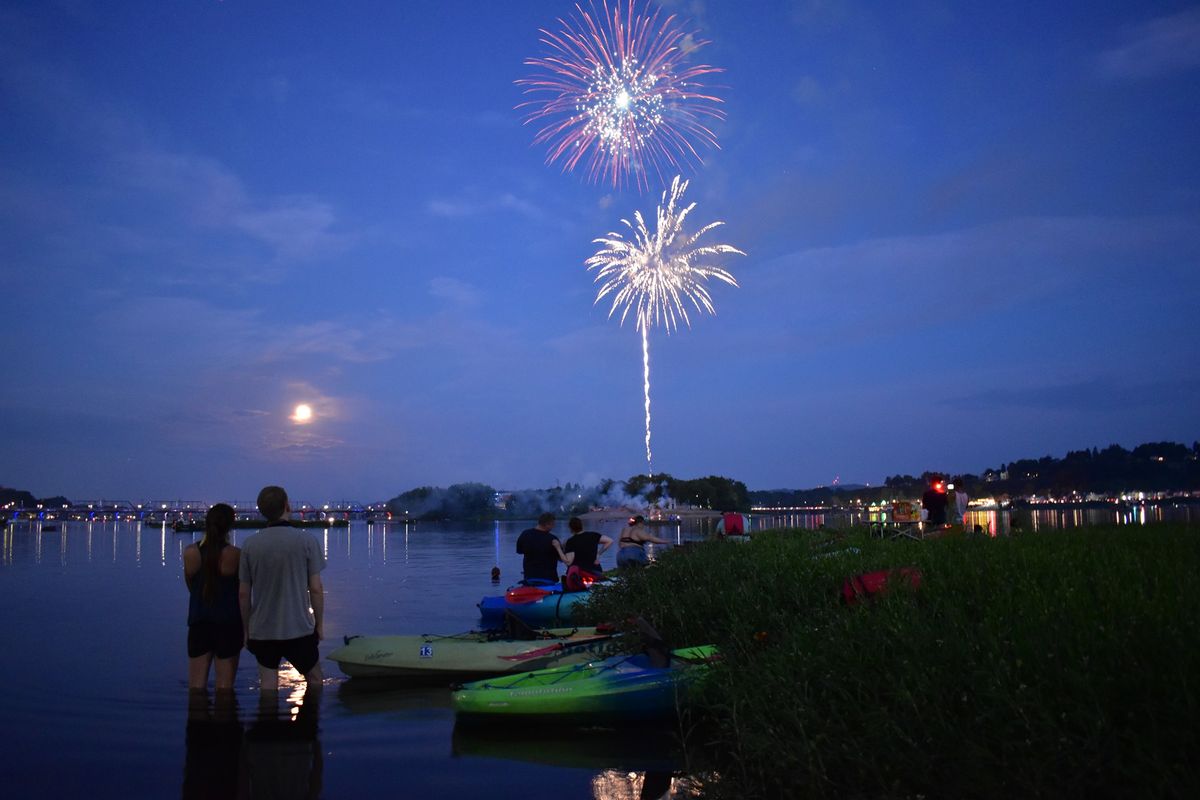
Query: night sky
(972, 235)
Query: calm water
(1001, 523)
(97, 704)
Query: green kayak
(619, 686)
(466, 656)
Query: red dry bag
(872, 584)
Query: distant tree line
(23, 499)
(1151, 467)
(481, 502)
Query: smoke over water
(475, 500)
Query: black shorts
(221, 638)
(302, 652)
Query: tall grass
(1057, 664)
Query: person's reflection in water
(283, 753)
(213, 742)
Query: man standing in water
(541, 549)
(281, 594)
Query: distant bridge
(168, 511)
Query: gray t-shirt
(277, 563)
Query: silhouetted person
(215, 630)
(584, 548)
(631, 545)
(961, 502)
(934, 501)
(541, 549)
(281, 594)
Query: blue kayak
(541, 606)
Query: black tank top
(224, 605)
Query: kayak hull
(625, 686)
(555, 608)
(467, 656)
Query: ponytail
(217, 524)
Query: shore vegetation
(1063, 664)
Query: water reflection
(998, 522)
(366, 696)
(405, 546)
(212, 765)
(629, 762)
(282, 751)
(617, 785)
(277, 756)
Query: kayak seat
(517, 628)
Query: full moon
(302, 414)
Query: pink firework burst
(615, 95)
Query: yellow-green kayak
(431, 658)
(619, 686)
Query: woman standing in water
(631, 546)
(210, 571)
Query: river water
(1000, 522)
(95, 677)
(97, 705)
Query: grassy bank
(1063, 663)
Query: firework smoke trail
(658, 274)
(646, 390)
(614, 93)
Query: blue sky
(972, 235)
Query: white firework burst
(657, 274)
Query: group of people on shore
(543, 551)
(935, 501)
(266, 596)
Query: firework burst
(657, 275)
(615, 95)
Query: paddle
(553, 648)
(520, 595)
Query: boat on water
(539, 604)
(431, 658)
(623, 686)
